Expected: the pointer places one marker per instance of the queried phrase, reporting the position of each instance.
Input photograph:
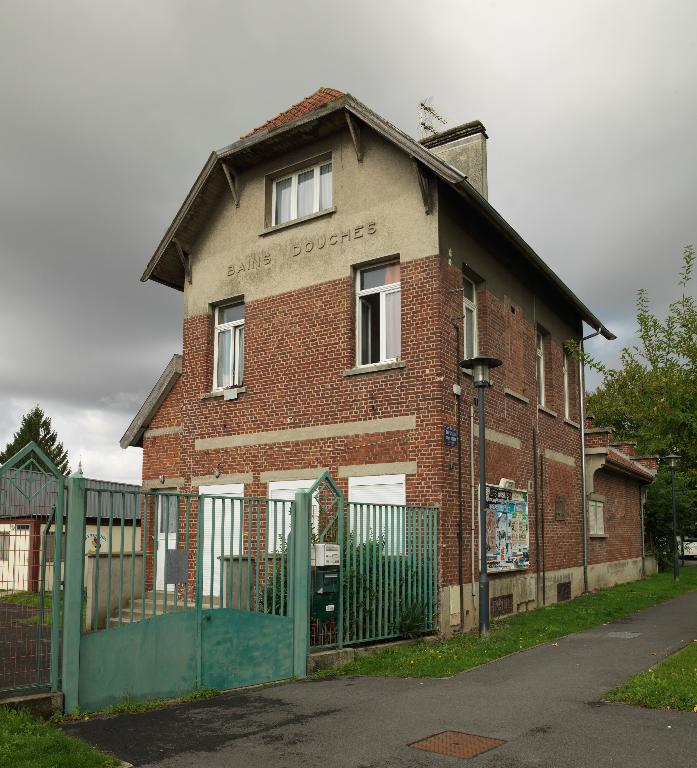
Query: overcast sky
(110, 109)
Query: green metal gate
(198, 591)
(31, 534)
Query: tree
(36, 426)
(652, 398)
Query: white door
(222, 522)
(376, 506)
(167, 522)
(279, 515)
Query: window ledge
(221, 393)
(572, 423)
(374, 368)
(548, 411)
(598, 535)
(301, 220)
(516, 395)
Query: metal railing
(389, 562)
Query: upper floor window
(540, 368)
(229, 346)
(379, 322)
(302, 193)
(469, 317)
(567, 386)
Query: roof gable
(167, 264)
(310, 103)
(133, 436)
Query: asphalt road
(545, 703)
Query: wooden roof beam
(184, 257)
(424, 185)
(355, 130)
(231, 177)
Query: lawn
(447, 657)
(28, 599)
(672, 684)
(29, 743)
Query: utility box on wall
(325, 581)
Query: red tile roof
(318, 99)
(620, 459)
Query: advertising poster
(507, 529)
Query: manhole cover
(623, 635)
(457, 744)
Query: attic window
(301, 193)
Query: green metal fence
(389, 575)
(31, 524)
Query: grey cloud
(110, 109)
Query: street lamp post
(480, 367)
(672, 459)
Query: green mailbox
(326, 582)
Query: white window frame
(567, 400)
(283, 493)
(395, 543)
(383, 290)
(237, 329)
(471, 305)
(294, 192)
(540, 367)
(596, 512)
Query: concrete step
(153, 604)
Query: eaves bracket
(425, 185)
(185, 259)
(231, 177)
(355, 131)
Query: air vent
(563, 591)
(501, 606)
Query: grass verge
(524, 630)
(672, 684)
(29, 743)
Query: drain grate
(457, 744)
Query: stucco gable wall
(379, 212)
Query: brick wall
(622, 510)
(298, 345)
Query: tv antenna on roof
(427, 114)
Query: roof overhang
(133, 436)
(166, 265)
(603, 457)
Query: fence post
(72, 595)
(300, 582)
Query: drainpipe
(460, 518)
(472, 499)
(582, 413)
(536, 488)
(643, 543)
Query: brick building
(334, 271)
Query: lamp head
(480, 367)
(672, 459)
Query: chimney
(464, 147)
(649, 462)
(627, 448)
(598, 437)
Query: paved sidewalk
(544, 703)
